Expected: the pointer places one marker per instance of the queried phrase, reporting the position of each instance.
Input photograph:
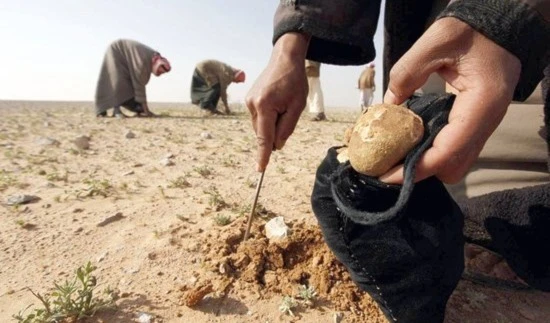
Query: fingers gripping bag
(402, 244)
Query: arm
(341, 31)
(278, 96)
(335, 32)
(486, 74)
(223, 96)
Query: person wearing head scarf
(315, 101)
(210, 81)
(126, 69)
(366, 86)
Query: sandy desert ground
(161, 213)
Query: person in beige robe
(210, 81)
(126, 69)
(315, 100)
(366, 86)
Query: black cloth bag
(203, 95)
(402, 244)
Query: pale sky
(52, 50)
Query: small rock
(128, 173)
(21, 199)
(169, 155)
(167, 162)
(47, 141)
(206, 135)
(144, 318)
(111, 219)
(337, 317)
(46, 124)
(82, 142)
(276, 228)
(101, 257)
(130, 135)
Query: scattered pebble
(111, 219)
(130, 135)
(82, 142)
(144, 318)
(128, 173)
(21, 199)
(276, 228)
(47, 141)
(206, 135)
(167, 162)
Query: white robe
(315, 101)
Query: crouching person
(126, 70)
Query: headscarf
(159, 61)
(240, 76)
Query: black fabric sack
(401, 244)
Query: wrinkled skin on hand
(278, 96)
(485, 76)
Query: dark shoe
(319, 117)
(102, 114)
(210, 113)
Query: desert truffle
(382, 137)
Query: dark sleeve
(521, 27)
(341, 31)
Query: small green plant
(288, 304)
(204, 171)
(96, 187)
(56, 177)
(307, 294)
(281, 169)
(180, 182)
(6, 180)
(250, 183)
(243, 210)
(215, 200)
(230, 162)
(222, 219)
(162, 193)
(70, 301)
(25, 225)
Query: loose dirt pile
(270, 268)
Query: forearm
(341, 31)
(520, 27)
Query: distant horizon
(53, 50)
(152, 103)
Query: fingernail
(389, 97)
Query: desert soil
(151, 213)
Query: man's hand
(278, 96)
(485, 76)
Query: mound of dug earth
(275, 268)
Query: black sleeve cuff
(516, 27)
(341, 34)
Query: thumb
(413, 69)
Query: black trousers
(203, 95)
